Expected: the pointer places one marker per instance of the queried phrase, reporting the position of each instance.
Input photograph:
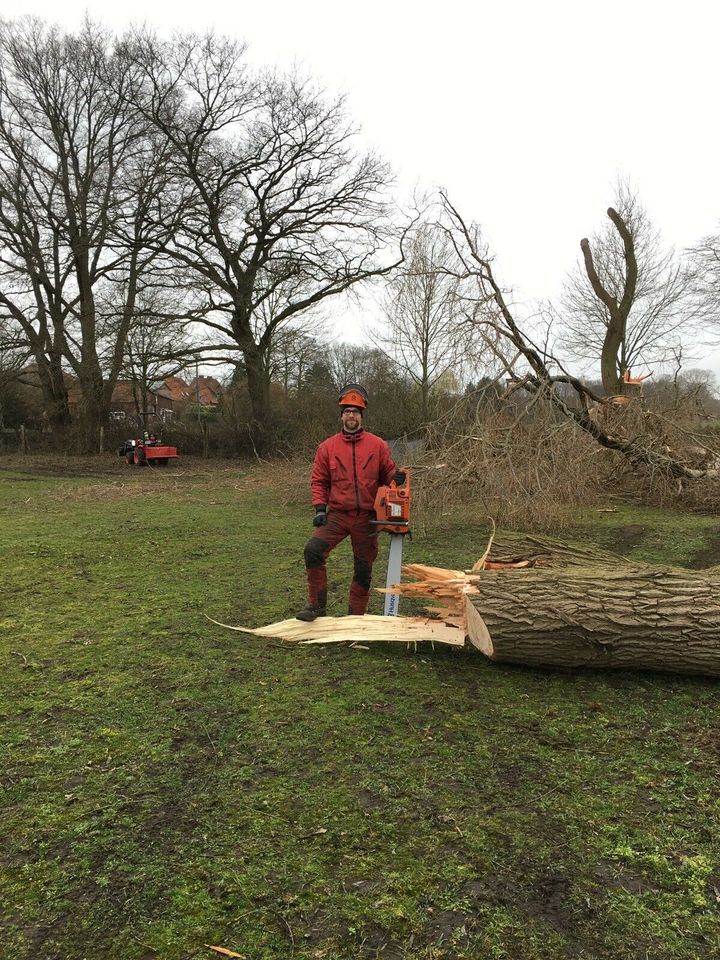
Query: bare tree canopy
(78, 176)
(153, 190)
(281, 209)
(630, 301)
(424, 333)
(705, 259)
(535, 369)
(157, 345)
(293, 352)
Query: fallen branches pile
(516, 458)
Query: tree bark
(620, 617)
(52, 383)
(611, 367)
(548, 552)
(258, 386)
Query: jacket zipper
(355, 477)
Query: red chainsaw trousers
(340, 524)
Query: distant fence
(20, 439)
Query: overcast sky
(525, 112)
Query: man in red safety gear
(347, 471)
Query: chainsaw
(392, 515)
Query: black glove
(320, 518)
(399, 477)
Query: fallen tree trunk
(648, 618)
(543, 603)
(539, 602)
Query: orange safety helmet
(353, 395)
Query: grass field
(167, 784)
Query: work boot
(308, 614)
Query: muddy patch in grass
(626, 538)
(376, 942)
(622, 876)
(548, 901)
(47, 465)
(367, 800)
(702, 745)
(708, 555)
(449, 925)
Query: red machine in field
(147, 452)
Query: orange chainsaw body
(392, 506)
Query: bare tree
(32, 272)
(629, 302)
(158, 345)
(424, 335)
(705, 259)
(351, 363)
(79, 178)
(281, 205)
(14, 354)
(531, 368)
(292, 353)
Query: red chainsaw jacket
(348, 469)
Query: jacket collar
(352, 437)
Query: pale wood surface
(367, 629)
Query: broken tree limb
(549, 552)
